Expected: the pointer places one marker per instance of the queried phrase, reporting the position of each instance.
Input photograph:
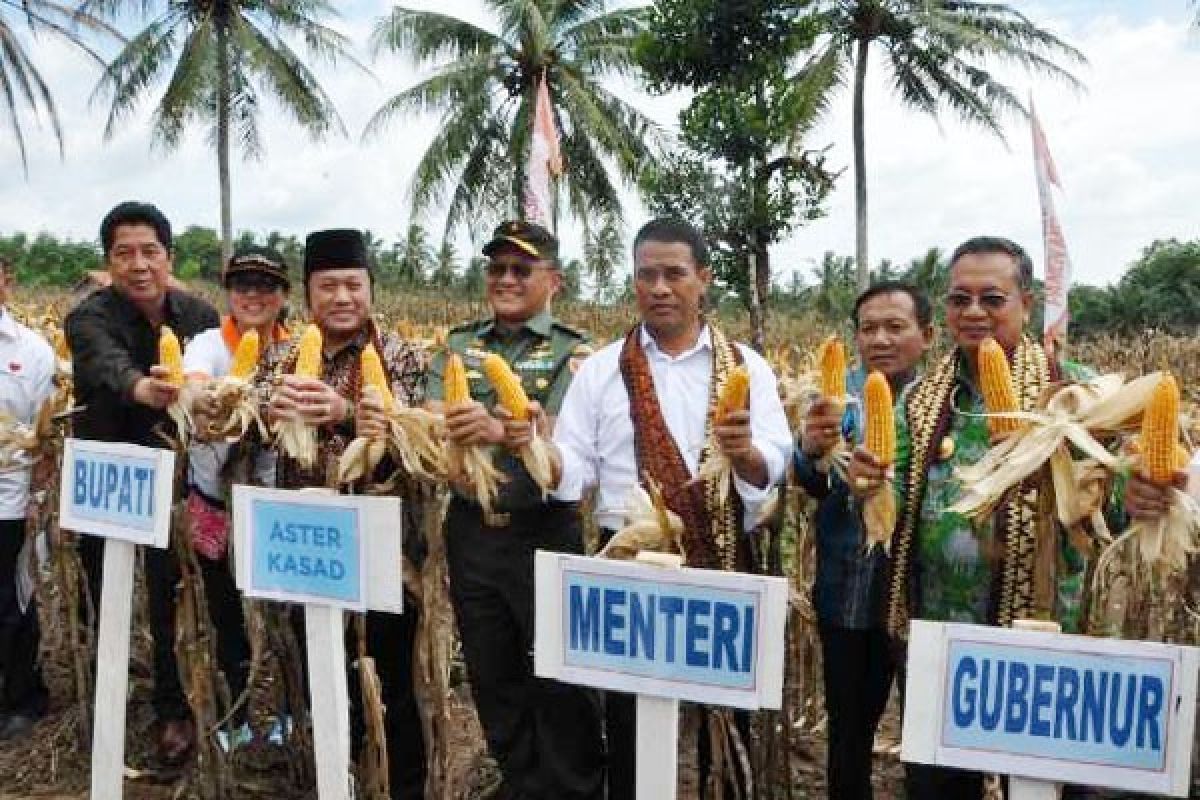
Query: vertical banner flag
(1058, 262)
(545, 161)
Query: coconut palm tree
(223, 58)
(484, 87)
(937, 52)
(20, 81)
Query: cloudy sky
(1128, 152)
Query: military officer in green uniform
(545, 735)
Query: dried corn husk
(413, 438)
(473, 466)
(17, 441)
(1075, 415)
(1155, 550)
(650, 525)
(297, 439)
(236, 409)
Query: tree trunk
(223, 103)
(860, 171)
(758, 322)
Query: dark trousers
(620, 733)
(23, 692)
(858, 670)
(545, 735)
(390, 641)
(923, 782)
(162, 578)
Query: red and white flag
(1058, 262)
(545, 161)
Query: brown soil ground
(52, 765)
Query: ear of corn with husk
(733, 395)
(413, 435)
(1160, 547)
(879, 508)
(235, 403)
(170, 357)
(537, 456)
(1076, 420)
(649, 525)
(296, 438)
(996, 384)
(470, 464)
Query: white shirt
(208, 354)
(594, 430)
(27, 365)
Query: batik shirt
(955, 554)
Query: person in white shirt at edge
(256, 283)
(26, 381)
(607, 435)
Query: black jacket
(113, 345)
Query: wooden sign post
(1050, 707)
(665, 635)
(332, 553)
(123, 493)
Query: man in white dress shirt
(642, 406)
(26, 381)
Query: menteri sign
(698, 635)
(1054, 707)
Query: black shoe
(16, 726)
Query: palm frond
(428, 35)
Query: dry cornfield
(54, 763)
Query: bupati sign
(699, 635)
(1054, 707)
(116, 490)
(318, 547)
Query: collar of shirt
(540, 324)
(703, 344)
(127, 309)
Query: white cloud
(1125, 150)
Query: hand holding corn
(161, 387)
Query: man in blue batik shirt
(892, 331)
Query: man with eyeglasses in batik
(946, 567)
(545, 735)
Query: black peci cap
(337, 248)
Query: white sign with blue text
(317, 547)
(1054, 707)
(117, 490)
(699, 635)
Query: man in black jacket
(113, 336)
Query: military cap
(528, 237)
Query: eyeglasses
(521, 270)
(988, 301)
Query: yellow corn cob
(308, 360)
(831, 357)
(170, 356)
(1160, 431)
(455, 389)
(735, 392)
(881, 421)
(245, 357)
(507, 385)
(995, 381)
(373, 375)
